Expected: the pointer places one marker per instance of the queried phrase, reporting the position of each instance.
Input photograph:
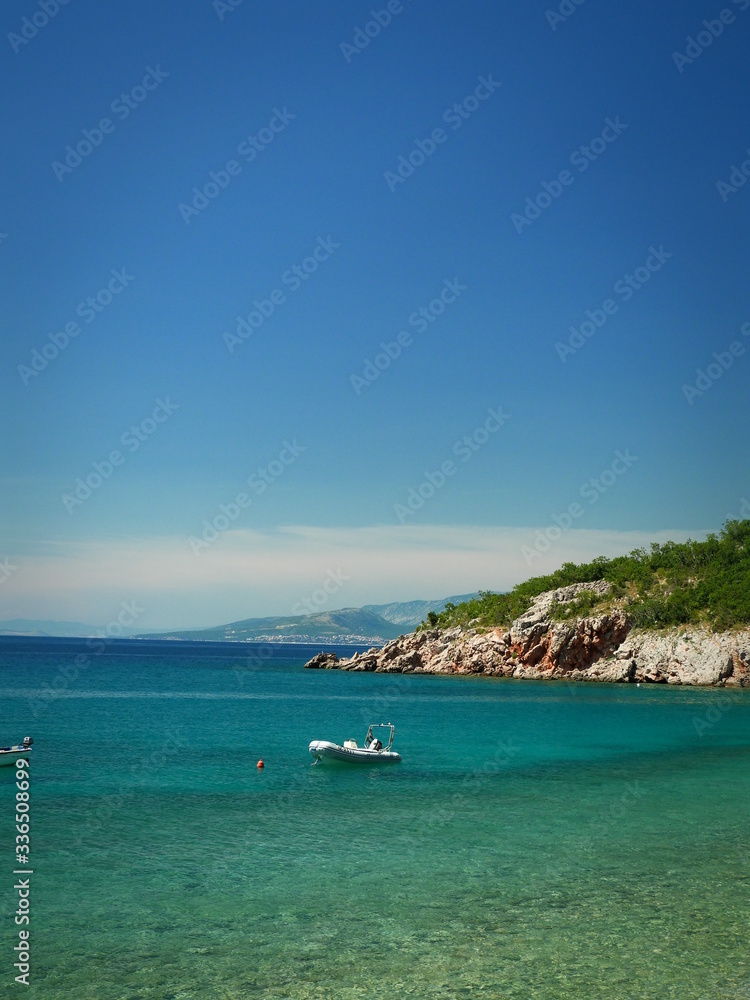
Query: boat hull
(9, 756)
(323, 750)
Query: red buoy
(261, 764)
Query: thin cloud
(251, 573)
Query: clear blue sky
(183, 88)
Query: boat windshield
(384, 732)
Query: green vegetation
(672, 584)
(579, 607)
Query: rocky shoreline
(536, 647)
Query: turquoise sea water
(539, 840)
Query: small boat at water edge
(374, 750)
(9, 755)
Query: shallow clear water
(538, 840)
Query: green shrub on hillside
(672, 584)
(579, 607)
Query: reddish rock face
(537, 647)
(566, 648)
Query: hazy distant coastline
(373, 623)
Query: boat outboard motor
(27, 741)
(376, 744)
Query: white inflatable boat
(374, 750)
(9, 755)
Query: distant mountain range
(412, 613)
(373, 623)
(348, 624)
(34, 626)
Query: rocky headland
(540, 646)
